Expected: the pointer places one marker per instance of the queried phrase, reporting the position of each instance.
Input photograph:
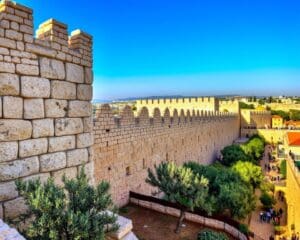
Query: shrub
(244, 229)
(267, 200)
(75, 211)
(283, 168)
(207, 234)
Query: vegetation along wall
(126, 146)
(45, 109)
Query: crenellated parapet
(51, 40)
(146, 117)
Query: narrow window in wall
(167, 157)
(144, 163)
(128, 172)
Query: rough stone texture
(12, 130)
(56, 108)
(88, 124)
(63, 143)
(10, 209)
(53, 161)
(84, 92)
(33, 108)
(77, 157)
(68, 126)
(27, 69)
(43, 128)
(33, 147)
(80, 109)
(63, 90)
(7, 233)
(88, 75)
(8, 151)
(12, 107)
(9, 84)
(68, 172)
(35, 87)
(7, 67)
(8, 191)
(85, 140)
(74, 73)
(52, 69)
(19, 168)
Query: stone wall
(255, 119)
(125, 146)
(45, 109)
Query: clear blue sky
(192, 47)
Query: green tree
(267, 200)
(246, 106)
(254, 148)
(249, 172)
(232, 154)
(75, 211)
(294, 115)
(180, 185)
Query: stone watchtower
(45, 108)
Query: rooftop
(294, 139)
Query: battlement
(51, 40)
(253, 112)
(155, 116)
(176, 100)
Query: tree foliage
(267, 200)
(207, 234)
(232, 154)
(75, 211)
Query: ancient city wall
(125, 146)
(255, 119)
(45, 109)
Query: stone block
(63, 143)
(89, 171)
(33, 108)
(42, 128)
(15, 208)
(40, 50)
(88, 124)
(68, 126)
(19, 168)
(9, 84)
(34, 87)
(85, 140)
(27, 69)
(52, 69)
(84, 92)
(88, 75)
(43, 177)
(68, 172)
(63, 90)
(8, 151)
(12, 107)
(4, 42)
(74, 73)
(53, 161)
(80, 109)
(55, 108)
(12, 34)
(12, 130)
(1, 212)
(7, 67)
(33, 147)
(77, 157)
(8, 191)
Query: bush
(283, 168)
(75, 211)
(207, 234)
(267, 200)
(244, 229)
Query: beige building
(277, 121)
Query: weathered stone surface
(77, 157)
(27, 69)
(85, 140)
(84, 92)
(1, 212)
(40, 50)
(88, 75)
(12, 107)
(33, 147)
(42, 176)
(8, 191)
(74, 73)
(68, 126)
(4, 42)
(33, 108)
(63, 143)
(88, 124)
(80, 109)
(53, 161)
(89, 171)
(9, 84)
(13, 35)
(19, 168)
(53, 69)
(12, 130)
(56, 108)
(14, 208)
(43, 128)
(8, 151)
(68, 172)
(7, 67)
(35, 87)
(63, 90)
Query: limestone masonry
(45, 109)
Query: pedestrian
(280, 211)
(268, 217)
(297, 236)
(293, 236)
(261, 216)
(271, 237)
